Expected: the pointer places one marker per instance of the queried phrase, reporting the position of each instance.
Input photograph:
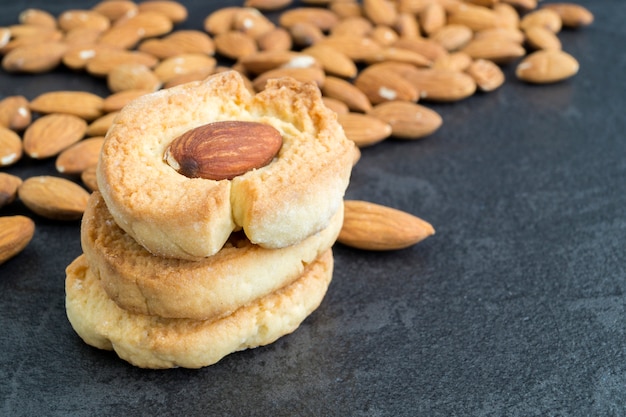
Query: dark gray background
(516, 307)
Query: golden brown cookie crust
(190, 218)
(154, 342)
(213, 287)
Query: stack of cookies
(214, 221)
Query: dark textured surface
(516, 307)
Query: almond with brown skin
(53, 197)
(452, 37)
(380, 12)
(375, 227)
(538, 37)
(89, 178)
(132, 77)
(15, 112)
(45, 35)
(234, 44)
(223, 150)
(544, 17)
(500, 51)
(323, 18)
(182, 64)
(304, 75)
(8, 188)
(441, 85)
(82, 104)
(117, 101)
(475, 17)
(408, 120)
(380, 85)
(220, 20)
(116, 9)
(151, 23)
(175, 11)
(11, 148)
(106, 59)
(35, 58)
(487, 75)
(16, 232)
(356, 48)
(79, 156)
(346, 92)
(572, 15)
(121, 37)
(75, 18)
(547, 66)
(332, 61)
(277, 39)
(364, 130)
(38, 17)
(101, 125)
(50, 134)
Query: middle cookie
(174, 288)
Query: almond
(380, 12)
(356, 48)
(441, 85)
(175, 11)
(78, 56)
(106, 59)
(15, 112)
(220, 20)
(179, 42)
(132, 77)
(16, 232)
(83, 104)
(305, 34)
(44, 36)
(332, 61)
(182, 64)
(407, 120)
(572, 15)
(35, 58)
(364, 130)
(358, 26)
(117, 101)
(487, 75)
(53, 197)
(277, 39)
(75, 18)
(547, 66)
(223, 150)
(432, 18)
(384, 35)
(37, 17)
(89, 178)
(544, 17)
(252, 22)
(497, 50)
(475, 17)
(79, 156)
(452, 37)
(195, 75)
(50, 134)
(121, 37)
(81, 36)
(262, 61)
(375, 227)
(304, 75)
(8, 188)
(234, 44)
(324, 19)
(101, 125)
(116, 9)
(336, 105)
(425, 47)
(380, 85)
(523, 5)
(151, 23)
(407, 26)
(346, 92)
(10, 147)
(455, 61)
(538, 37)
(267, 5)
(398, 55)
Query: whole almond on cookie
(53, 197)
(223, 150)
(375, 227)
(16, 232)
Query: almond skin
(375, 227)
(53, 197)
(15, 234)
(223, 150)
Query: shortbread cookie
(155, 342)
(215, 286)
(277, 205)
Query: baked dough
(277, 205)
(212, 287)
(154, 342)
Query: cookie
(215, 286)
(277, 205)
(154, 342)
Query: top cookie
(276, 205)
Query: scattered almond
(101, 125)
(11, 149)
(79, 156)
(364, 130)
(175, 11)
(34, 58)
(547, 66)
(53, 197)
(16, 232)
(8, 188)
(132, 77)
(572, 15)
(15, 112)
(487, 75)
(83, 104)
(50, 134)
(375, 227)
(89, 178)
(407, 120)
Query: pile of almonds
(373, 60)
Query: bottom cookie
(155, 342)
